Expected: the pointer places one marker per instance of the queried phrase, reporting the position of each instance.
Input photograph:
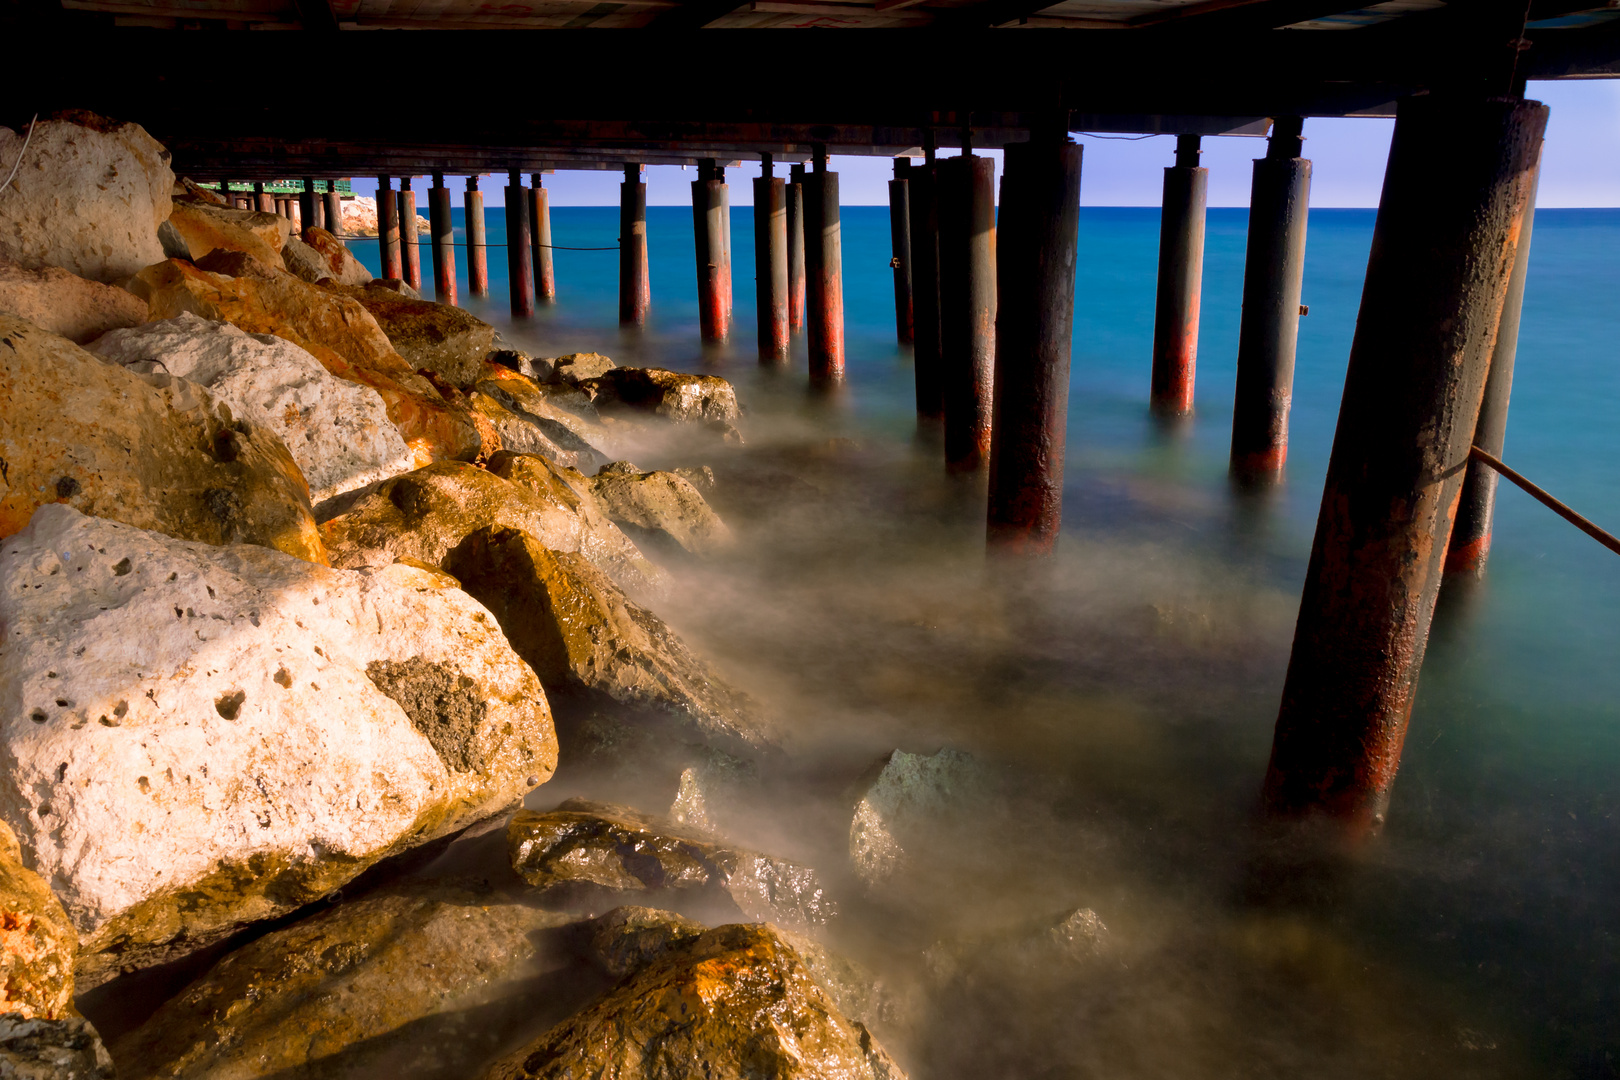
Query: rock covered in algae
(337, 431)
(198, 737)
(622, 849)
(417, 980)
(732, 1003)
(660, 508)
(151, 451)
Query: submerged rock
(341, 265)
(151, 451)
(420, 980)
(37, 942)
(207, 228)
(337, 431)
(77, 308)
(617, 848)
(909, 790)
(443, 339)
(199, 737)
(660, 508)
(735, 1002)
(64, 1049)
(88, 196)
(672, 395)
(575, 368)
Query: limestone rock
(66, 304)
(337, 431)
(585, 638)
(672, 395)
(151, 451)
(424, 515)
(443, 339)
(304, 262)
(907, 790)
(342, 266)
(199, 737)
(206, 227)
(622, 849)
(575, 368)
(417, 980)
(187, 188)
(332, 327)
(88, 196)
(37, 942)
(396, 285)
(660, 509)
(360, 216)
(539, 404)
(525, 433)
(736, 1002)
(65, 1049)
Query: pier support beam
(711, 206)
(477, 240)
(306, 204)
(795, 247)
(900, 248)
(771, 264)
(823, 274)
(334, 209)
(1181, 279)
(1035, 265)
(1458, 183)
(967, 303)
(545, 275)
(262, 200)
(924, 215)
(1273, 273)
(411, 252)
(444, 241)
(388, 230)
(519, 254)
(635, 284)
(1476, 509)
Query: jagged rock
(443, 339)
(395, 285)
(424, 515)
(342, 266)
(186, 188)
(537, 368)
(700, 477)
(66, 304)
(575, 368)
(672, 395)
(620, 849)
(64, 1049)
(907, 790)
(690, 810)
(659, 510)
(198, 737)
(37, 942)
(337, 431)
(628, 938)
(88, 196)
(541, 404)
(525, 433)
(151, 451)
(206, 228)
(304, 262)
(735, 1002)
(415, 980)
(586, 639)
(332, 327)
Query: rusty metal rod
(967, 301)
(635, 287)
(519, 256)
(771, 266)
(408, 240)
(477, 255)
(1607, 539)
(540, 249)
(443, 234)
(795, 245)
(1181, 276)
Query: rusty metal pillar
(709, 232)
(1273, 274)
(967, 303)
(771, 263)
(1181, 278)
(262, 200)
(1458, 184)
(823, 274)
(477, 240)
(388, 230)
(1476, 509)
(409, 249)
(306, 204)
(900, 248)
(795, 248)
(924, 215)
(444, 241)
(319, 220)
(635, 285)
(519, 255)
(1035, 266)
(545, 275)
(334, 209)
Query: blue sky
(1581, 164)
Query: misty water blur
(1121, 696)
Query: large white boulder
(337, 431)
(88, 197)
(197, 736)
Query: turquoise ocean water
(1511, 777)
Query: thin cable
(553, 247)
(1122, 138)
(20, 153)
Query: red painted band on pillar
(771, 268)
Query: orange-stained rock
(346, 269)
(151, 451)
(336, 329)
(438, 337)
(37, 941)
(206, 228)
(77, 308)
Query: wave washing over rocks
(308, 590)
